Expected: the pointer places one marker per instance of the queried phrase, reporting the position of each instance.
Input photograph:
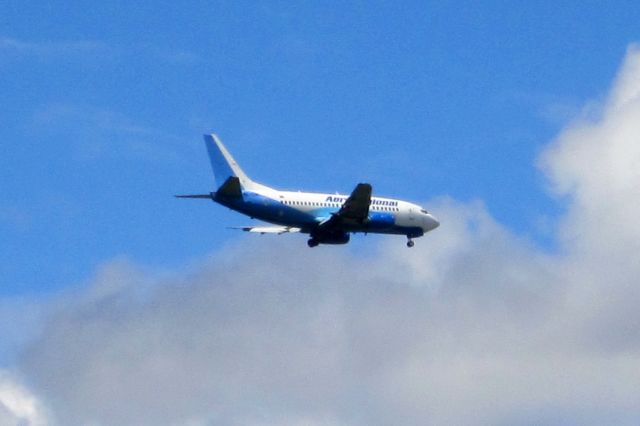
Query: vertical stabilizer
(223, 164)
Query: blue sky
(104, 106)
(514, 123)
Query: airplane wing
(357, 205)
(268, 229)
(355, 209)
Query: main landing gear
(410, 242)
(312, 242)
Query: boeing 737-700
(327, 218)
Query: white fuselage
(307, 209)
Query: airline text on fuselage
(374, 202)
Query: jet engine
(334, 237)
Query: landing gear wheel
(410, 243)
(312, 242)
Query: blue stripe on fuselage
(265, 208)
(270, 210)
(380, 220)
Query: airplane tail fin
(223, 164)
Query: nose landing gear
(410, 242)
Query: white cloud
(17, 405)
(596, 163)
(473, 326)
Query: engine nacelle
(333, 238)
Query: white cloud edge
(19, 404)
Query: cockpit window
(424, 211)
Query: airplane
(327, 218)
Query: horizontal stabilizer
(268, 229)
(194, 196)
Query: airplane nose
(431, 223)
